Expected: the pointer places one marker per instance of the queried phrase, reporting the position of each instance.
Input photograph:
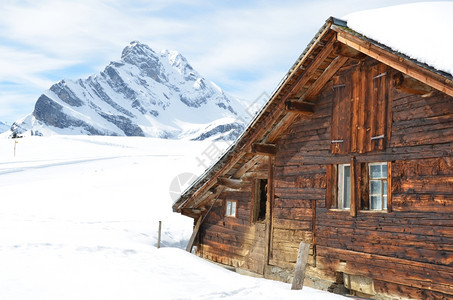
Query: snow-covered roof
(422, 31)
(416, 36)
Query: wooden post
(302, 259)
(159, 234)
(194, 234)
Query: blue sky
(245, 47)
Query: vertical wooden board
(371, 106)
(329, 186)
(346, 113)
(389, 187)
(381, 106)
(362, 111)
(355, 108)
(334, 132)
(354, 181)
(302, 259)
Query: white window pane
(384, 170)
(384, 202)
(375, 187)
(375, 171)
(347, 187)
(375, 202)
(228, 208)
(233, 209)
(384, 191)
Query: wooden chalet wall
(236, 241)
(407, 250)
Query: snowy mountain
(146, 93)
(3, 127)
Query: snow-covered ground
(79, 218)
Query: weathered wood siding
(406, 251)
(236, 241)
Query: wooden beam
(294, 105)
(229, 182)
(314, 65)
(316, 87)
(194, 234)
(340, 49)
(301, 265)
(399, 63)
(245, 167)
(264, 149)
(410, 85)
(354, 181)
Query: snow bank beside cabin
(422, 31)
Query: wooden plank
(341, 49)
(314, 65)
(354, 180)
(294, 105)
(229, 182)
(269, 210)
(389, 187)
(245, 167)
(302, 259)
(194, 234)
(314, 88)
(397, 62)
(264, 149)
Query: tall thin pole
(159, 234)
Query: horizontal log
(294, 105)
(410, 85)
(341, 49)
(264, 149)
(229, 182)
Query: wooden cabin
(352, 154)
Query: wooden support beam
(340, 49)
(245, 167)
(397, 62)
(410, 85)
(294, 105)
(301, 265)
(194, 234)
(229, 182)
(264, 149)
(313, 66)
(316, 87)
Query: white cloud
(262, 39)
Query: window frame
(229, 212)
(256, 200)
(360, 185)
(341, 186)
(383, 194)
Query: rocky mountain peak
(145, 93)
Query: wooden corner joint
(297, 106)
(264, 149)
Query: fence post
(159, 234)
(302, 259)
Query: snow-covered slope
(3, 127)
(419, 30)
(144, 94)
(79, 218)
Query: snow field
(79, 218)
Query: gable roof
(330, 48)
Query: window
(378, 186)
(344, 186)
(359, 186)
(230, 208)
(260, 200)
